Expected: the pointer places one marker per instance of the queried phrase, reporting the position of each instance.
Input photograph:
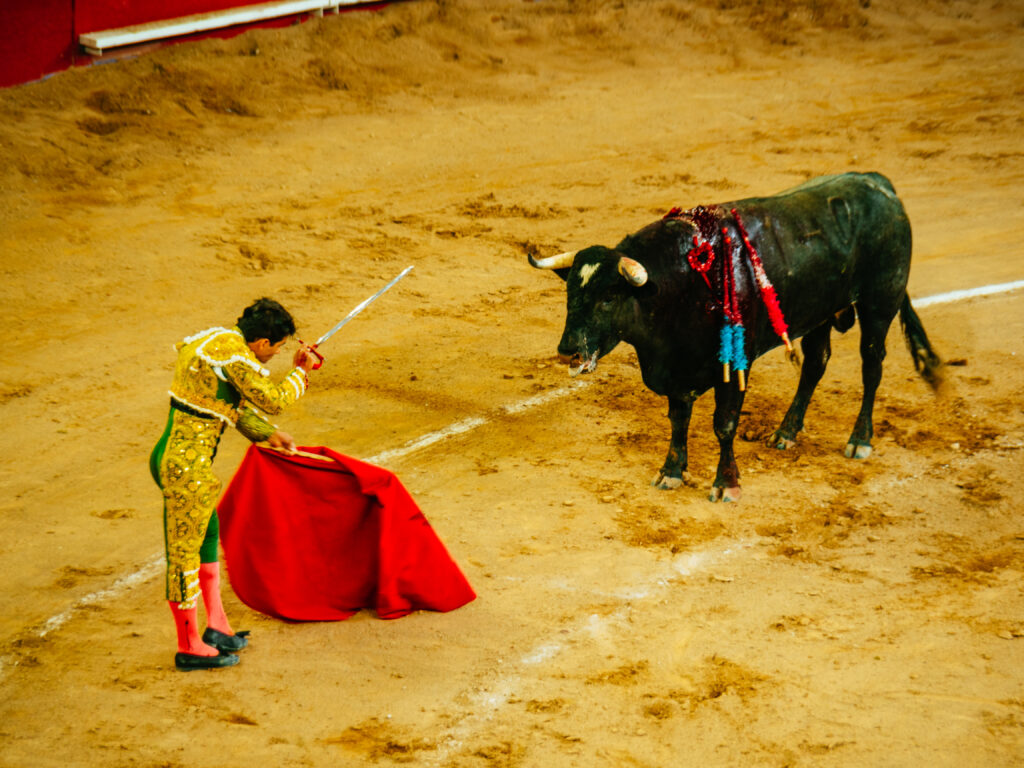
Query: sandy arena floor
(843, 614)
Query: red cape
(308, 539)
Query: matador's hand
(304, 359)
(282, 441)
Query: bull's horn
(559, 261)
(633, 271)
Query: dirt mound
(85, 128)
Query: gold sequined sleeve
(256, 387)
(253, 426)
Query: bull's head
(600, 286)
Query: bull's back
(829, 243)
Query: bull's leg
(817, 349)
(728, 402)
(673, 473)
(873, 330)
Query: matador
(219, 381)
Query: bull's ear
(633, 271)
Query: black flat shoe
(224, 642)
(189, 661)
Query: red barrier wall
(39, 37)
(94, 15)
(36, 38)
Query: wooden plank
(95, 43)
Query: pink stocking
(188, 632)
(209, 583)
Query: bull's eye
(606, 305)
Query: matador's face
(264, 350)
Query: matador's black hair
(266, 319)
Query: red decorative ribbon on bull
(732, 350)
(694, 257)
(771, 301)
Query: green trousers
(181, 464)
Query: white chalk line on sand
(488, 700)
(152, 567)
(968, 293)
(118, 588)
(468, 425)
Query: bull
(834, 250)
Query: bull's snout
(573, 351)
(571, 347)
(570, 351)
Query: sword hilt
(319, 358)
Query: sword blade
(363, 305)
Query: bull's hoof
(665, 482)
(857, 451)
(780, 441)
(724, 494)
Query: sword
(362, 305)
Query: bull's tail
(926, 361)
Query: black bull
(834, 248)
